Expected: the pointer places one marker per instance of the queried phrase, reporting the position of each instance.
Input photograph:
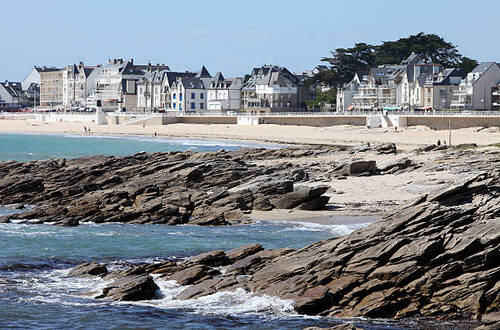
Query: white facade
(224, 95)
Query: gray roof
(483, 67)
(192, 83)
(203, 73)
(218, 77)
(13, 88)
(47, 69)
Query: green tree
(467, 64)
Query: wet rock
(213, 258)
(88, 269)
(131, 288)
(192, 275)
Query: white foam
(334, 230)
(238, 302)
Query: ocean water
(36, 293)
(26, 147)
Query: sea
(36, 293)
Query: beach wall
(224, 120)
(315, 121)
(456, 122)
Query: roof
(483, 67)
(13, 88)
(218, 77)
(203, 73)
(47, 69)
(192, 83)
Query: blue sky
(229, 36)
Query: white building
(224, 94)
(78, 81)
(475, 91)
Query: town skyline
(227, 37)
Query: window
(202, 106)
(180, 97)
(175, 105)
(193, 96)
(193, 105)
(175, 96)
(201, 96)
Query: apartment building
(51, 86)
(78, 81)
(271, 88)
(224, 94)
(475, 91)
(116, 84)
(154, 89)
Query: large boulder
(296, 198)
(88, 269)
(131, 288)
(360, 167)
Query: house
(224, 94)
(32, 78)
(475, 91)
(51, 86)
(116, 84)
(345, 93)
(12, 96)
(189, 93)
(78, 81)
(409, 85)
(272, 88)
(154, 89)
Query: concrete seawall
(444, 122)
(315, 121)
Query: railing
(457, 113)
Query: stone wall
(456, 122)
(316, 121)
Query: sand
(406, 139)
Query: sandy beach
(405, 139)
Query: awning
(392, 108)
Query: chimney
(114, 61)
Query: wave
(335, 230)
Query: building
(12, 96)
(188, 94)
(412, 84)
(495, 95)
(116, 84)
(346, 93)
(224, 94)
(272, 88)
(475, 91)
(154, 89)
(78, 81)
(32, 78)
(51, 86)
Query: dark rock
(296, 198)
(192, 275)
(213, 258)
(88, 269)
(359, 167)
(131, 288)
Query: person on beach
(85, 129)
(439, 143)
(155, 135)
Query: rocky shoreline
(436, 255)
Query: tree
(430, 47)
(467, 64)
(344, 64)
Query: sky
(227, 35)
